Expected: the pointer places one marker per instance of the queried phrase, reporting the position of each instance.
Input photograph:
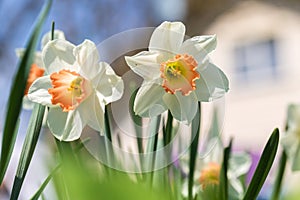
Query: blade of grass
(138, 123)
(45, 183)
(194, 149)
(152, 144)
(17, 93)
(29, 145)
(32, 136)
(223, 193)
(263, 167)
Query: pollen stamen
(210, 175)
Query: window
(256, 59)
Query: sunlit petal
(183, 108)
(148, 101)
(109, 85)
(65, 126)
(167, 37)
(212, 84)
(199, 47)
(58, 34)
(145, 64)
(58, 55)
(87, 57)
(38, 92)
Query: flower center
(69, 89)
(34, 73)
(210, 175)
(179, 74)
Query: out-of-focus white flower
(291, 141)
(37, 68)
(208, 169)
(177, 74)
(76, 89)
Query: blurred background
(258, 48)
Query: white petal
(47, 37)
(27, 104)
(38, 59)
(212, 84)
(58, 55)
(148, 101)
(240, 164)
(92, 110)
(65, 126)
(199, 47)
(235, 189)
(199, 44)
(87, 57)
(38, 92)
(145, 64)
(167, 37)
(289, 142)
(294, 116)
(183, 108)
(108, 84)
(291, 145)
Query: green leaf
(17, 93)
(29, 145)
(138, 123)
(263, 167)
(152, 144)
(223, 175)
(193, 150)
(44, 184)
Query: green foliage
(263, 167)
(30, 142)
(194, 149)
(17, 93)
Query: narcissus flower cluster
(76, 86)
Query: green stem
(52, 30)
(39, 192)
(193, 150)
(278, 181)
(155, 142)
(167, 133)
(108, 138)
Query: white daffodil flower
(37, 68)
(291, 141)
(177, 74)
(208, 171)
(76, 89)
